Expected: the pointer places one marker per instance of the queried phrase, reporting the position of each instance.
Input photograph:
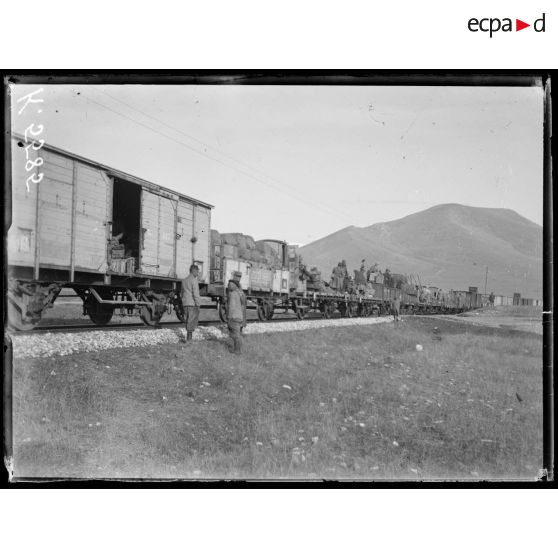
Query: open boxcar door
(158, 234)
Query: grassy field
(358, 403)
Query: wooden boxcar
(117, 240)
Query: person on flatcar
(345, 286)
(388, 282)
(371, 273)
(190, 294)
(337, 277)
(360, 280)
(236, 312)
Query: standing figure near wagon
(236, 312)
(491, 300)
(190, 294)
(396, 305)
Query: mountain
(447, 246)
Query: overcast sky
(300, 162)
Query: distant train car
(119, 241)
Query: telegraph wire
(313, 204)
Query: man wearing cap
(191, 301)
(236, 312)
(396, 306)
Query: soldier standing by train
(396, 306)
(236, 312)
(190, 293)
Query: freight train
(124, 243)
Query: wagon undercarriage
(28, 301)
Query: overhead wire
(314, 204)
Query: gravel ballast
(50, 344)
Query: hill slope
(447, 245)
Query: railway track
(77, 328)
(89, 327)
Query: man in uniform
(387, 278)
(236, 312)
(345, 286)
(396, 306)
(371, 275)
(190, 293)
(360, 279)
(337, 277)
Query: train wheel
(269, 310)
(179, 310)
(299, 311)
(222, 309)
(261, 309)
(17, 322)
(100, 314)
(148, 318)
(325, 309)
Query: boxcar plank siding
(92, 208)
(149, 223)
(56, 173)
(55, 205)
(166, 238)
(184, 233)
(22, 234)
(57, 159)
(201, 246)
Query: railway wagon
(460, 301)
(502, 300)
(281, 286)
(120, 242)
(267, 287)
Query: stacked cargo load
(241, 246)
(314, 280)
(269, 255)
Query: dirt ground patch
(522, 318)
